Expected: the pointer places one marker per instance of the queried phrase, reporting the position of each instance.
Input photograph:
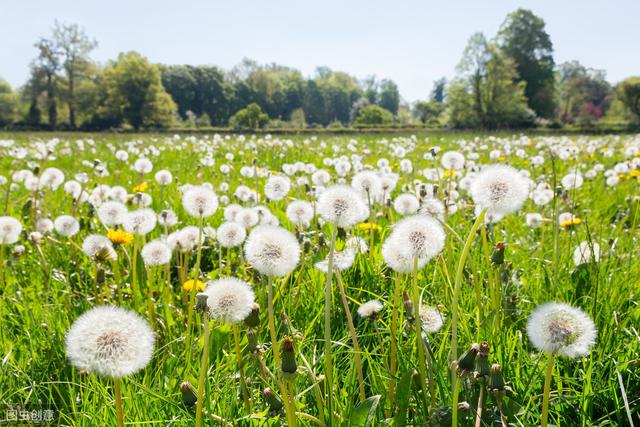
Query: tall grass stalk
(454, 316)
(204, 366)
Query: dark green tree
(523, 38)
(439, 91)
(74, 47)
(9, 103)
(132, 93)
(374, 115)
(45, 67)
(427, 110)
(485, 93)
(250, 117)
(628, 91)
(389, 96)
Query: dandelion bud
(189, 397)
(289, 366)
(482, 360)
(274, 403)
(496, 382)
(408, 305)
(466, 362)
(253, 319)
(252, 342)
(100, 275)
(35, 237)
(498, 253)
(201, 301)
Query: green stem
(354, 338)
(243, 383)
(328, 364)
(422, 365)
(118, 394)
(547, 390)
(272, 325)
(394, 338)
(204, 366)
(192, 296)
(454, 316)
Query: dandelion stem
(118, 395)
(354, 338)
(272, 324)
(422, 366)
(547, 390)
(328, 363)
(394, 339)
(243, 383)
(192, 295)
(1, 266)
(204, 366)
(454, 316)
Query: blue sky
(411, 42)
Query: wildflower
(559, 328)
(163, 177)
(66, 226)
(586, 253)
(271, 250)
(112, 213)
(357, 244)
(406, 204)
(368, 184)
(119, 237)
(200, 202)
(534, 220)
(277, 187)
(247, 217)
(10, 229)
(140, 188)
(433, 207)
(341, 261)
(452, 161)
(300, 213)
(140, 222)
(99, 248)
(156, 253)
(367, 226)
(143, 165)
(188, 285)
(568, 220)
(229, 299)
(230, 234)
(110, 341)
(500, 189)
(420, 235)
(370, 309)
(431, 318)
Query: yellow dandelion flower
(119, 237)
(502, 158)
(570, 222)
(634, 173)
(366, 226)
(188, 285)
(141, 188)
(449, 172)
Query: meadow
(401, 280)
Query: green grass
(40, 302)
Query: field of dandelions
(319, 281)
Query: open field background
(50, 284)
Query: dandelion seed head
(272, 250)
(229, 299)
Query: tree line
(508, 81)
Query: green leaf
(363, 414)
(403, 392)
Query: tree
(485, 93)
(8, 104)
(628, 91)
(439, 91)
(374, 115)
(250, 117)
(133, 93)
(73, 46)
(427, 110)
(583, 92)
(389, 96)
(523, 38)
(200, 89)
(46, 65)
